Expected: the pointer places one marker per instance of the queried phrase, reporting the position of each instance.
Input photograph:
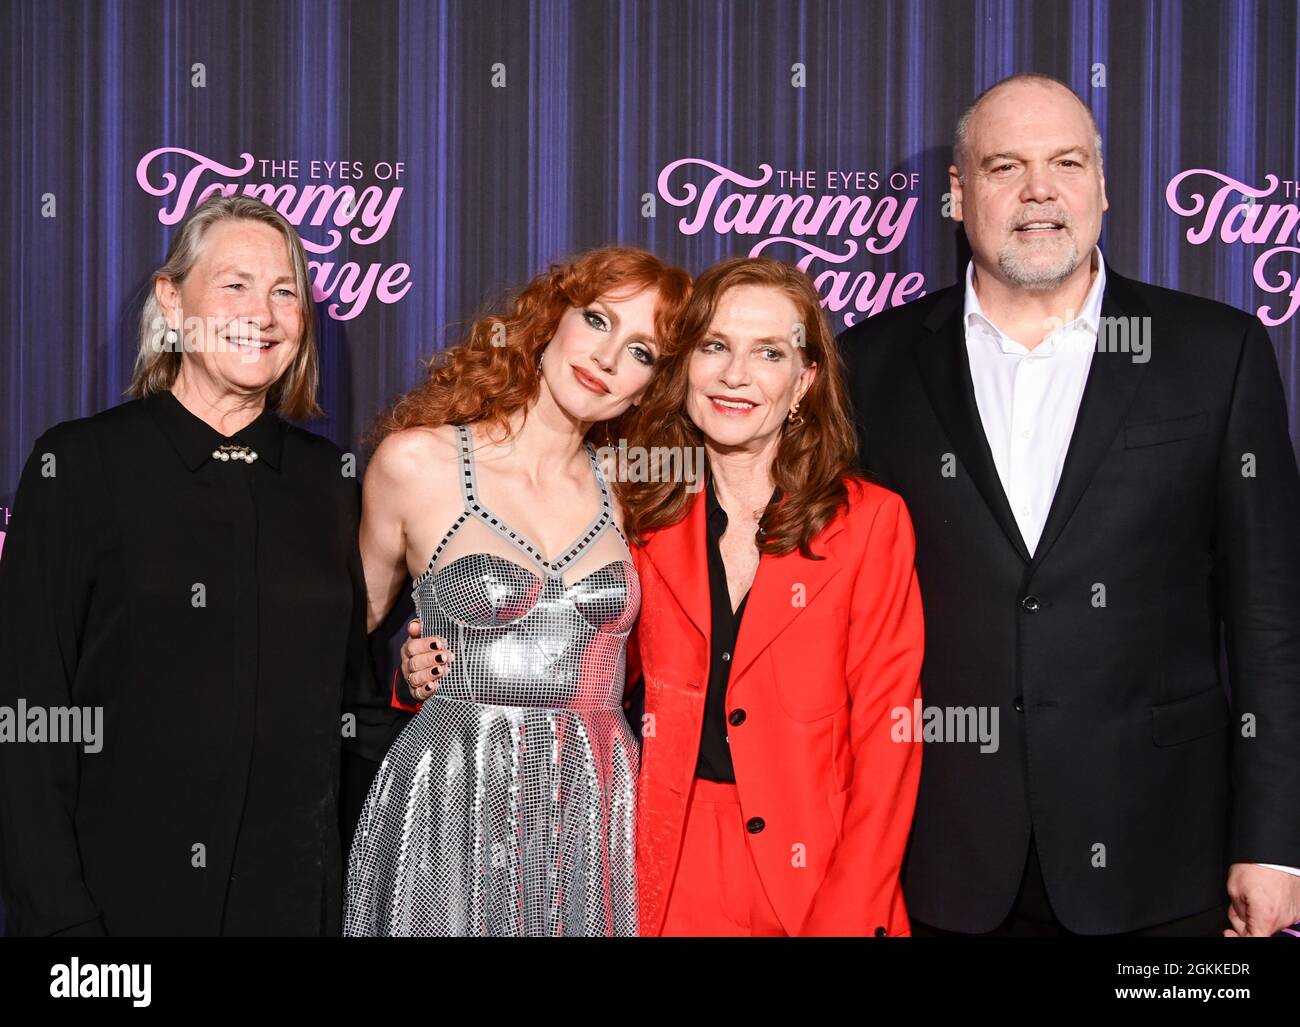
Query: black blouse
(714, 760)
(215, 612)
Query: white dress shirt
(1028, 401)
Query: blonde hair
(293, 394)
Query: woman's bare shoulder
(417, 456)
(415, 464)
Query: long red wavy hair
(492, 374)
(813, 459)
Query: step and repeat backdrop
(434, 154)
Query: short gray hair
(959, 138)
(156, 364)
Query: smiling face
(747, 371)
(1031, 192)
(602, 355)
(238, 309)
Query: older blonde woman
(183, 570)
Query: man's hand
(1263, 900)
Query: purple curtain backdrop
(528, 131)
(598, 98)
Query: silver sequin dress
(507, 804)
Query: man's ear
(954, 184)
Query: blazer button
(1019, 704)
(736, 718)
(1030, 604)
(881, 932)
(755, 824)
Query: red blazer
(827, 651)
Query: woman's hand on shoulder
(424, 661)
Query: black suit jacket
(1141, 774)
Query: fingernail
(433, 644)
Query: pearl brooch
(227, 453)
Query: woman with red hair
(780, 633)
(506, 805)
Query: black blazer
(215, 612)
(1120, 745)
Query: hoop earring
(794, 418)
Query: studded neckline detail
(475, 506)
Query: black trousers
(357, 773)
(1032, 916)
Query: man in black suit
(1101, 480)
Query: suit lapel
(784, 586)
(1113, 379)
(679, 556)
(945, 369)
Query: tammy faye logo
(1221, 207)
(327, 200)
(829, 215)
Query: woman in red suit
(780, 636)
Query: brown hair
(492, 374)
(813, 458)
(293, 394)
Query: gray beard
(1048, 277)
